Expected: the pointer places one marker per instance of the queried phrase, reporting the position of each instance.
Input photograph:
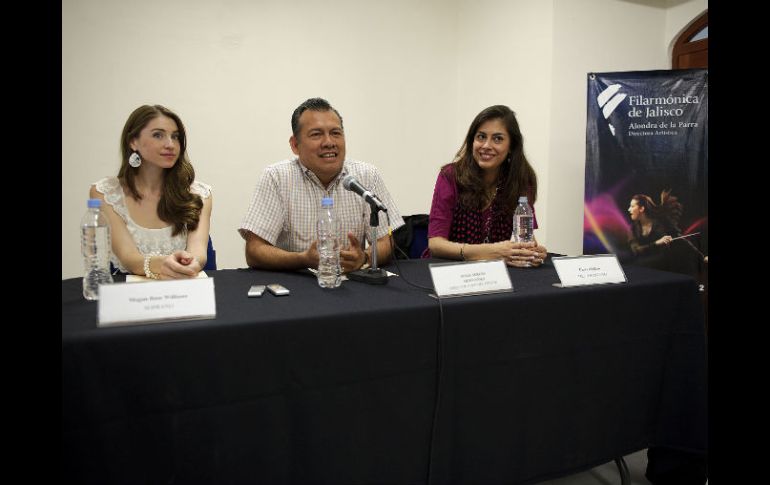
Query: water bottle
(523, 222)
(328, 246)
(95, 246)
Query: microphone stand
(372, 275)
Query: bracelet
(147, 272)
(462, 252)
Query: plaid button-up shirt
(287, 199)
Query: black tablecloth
(340, 386)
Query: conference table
(386, 384)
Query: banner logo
(608, 100)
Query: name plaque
(156, 301)
(594, 269)
(470, 278)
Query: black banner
(646, 196)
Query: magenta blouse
(457, 224)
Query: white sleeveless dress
(148, 241)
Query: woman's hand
(665, 240)
(520, 255)
(179, 265)
(542, 254)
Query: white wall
(590, 36)
(504, 57)
(407, 76)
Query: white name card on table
(156, 301)
(594, 269)
(470, 278)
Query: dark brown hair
(516, 176)
(312, 104)
(667, 213)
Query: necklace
(490, 214)
(491, 194)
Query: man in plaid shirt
(280, 224)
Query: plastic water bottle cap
(523, 198)
(327, 201)
(94, 203)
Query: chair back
(211, 257)
(412, 238)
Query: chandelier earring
(135, 160)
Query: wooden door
(691, 49)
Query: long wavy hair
(516, 176)
(667, 212)
(177, 205)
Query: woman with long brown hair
(471, 216)
(159, 214)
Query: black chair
(411, 239)
(211, 260)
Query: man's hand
(353, 257)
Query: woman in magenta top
(471, 217)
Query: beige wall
(407, 76)
(504, 57)
(590, 36)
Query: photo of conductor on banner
(655, 238)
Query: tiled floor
(608, 473)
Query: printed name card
(470, 278)
(595, 269)
(156, 301)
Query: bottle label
(523, 228)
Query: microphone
(352, 184)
